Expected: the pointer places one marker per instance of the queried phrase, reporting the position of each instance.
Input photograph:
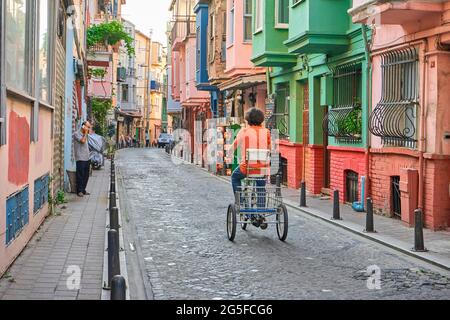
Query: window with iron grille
(280, 118)
(344, 118)
(394, 119)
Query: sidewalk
(75, 239)
(390, 232)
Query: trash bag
(96, 143)
(97, 146)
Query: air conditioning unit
(78, 69)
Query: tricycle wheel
(231, 222)
(282, 222)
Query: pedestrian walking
(147, 140)
(82, 158)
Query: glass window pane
(44, 51)
(283, 11)
(248, 7)
(248, 28)
(16, 43)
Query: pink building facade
(246, 86)
(195, 104)
(410, 118)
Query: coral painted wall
(18, 149)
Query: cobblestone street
(179, 212)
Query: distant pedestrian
(129, 141)
(122, 141)
(82, 158)
(147, 140)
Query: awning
(243, 82)
(129, 114)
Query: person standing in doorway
(81, 153)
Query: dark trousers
(236, 181)
(83, 168)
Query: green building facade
(318, 78)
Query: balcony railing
(182, 29)
(99, 48)
(279, 121)
(156, 86)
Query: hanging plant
(100, 109)
(109, 33)
(97, 73)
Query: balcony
(182, 29)
(156, 86)
(99, 55)
(395, 12)
(318, 26)
(121, 74)
(268, 47)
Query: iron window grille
(394, 119)
(279, 120)
(344, 118)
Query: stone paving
(70, 242)
(179, 215)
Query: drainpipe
(369, 106)
(423, 113)
(269, 82)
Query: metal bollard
(118, 288)
(419, 245)
(114, 218)
(278, 184)
(369, 217)
(112, 200)
(336, 206)
(303, 194)
(113, 255)
(112, 187)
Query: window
(247, 20)
(232, 22)
(223, 53)
(17, 45)
(394, 119)
(344, 118)
(212, 34)
(125, 90)
(198, 52)
(44, 51)
(259, 15)
(282, 13)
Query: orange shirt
(253, 137)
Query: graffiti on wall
(18, 149)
